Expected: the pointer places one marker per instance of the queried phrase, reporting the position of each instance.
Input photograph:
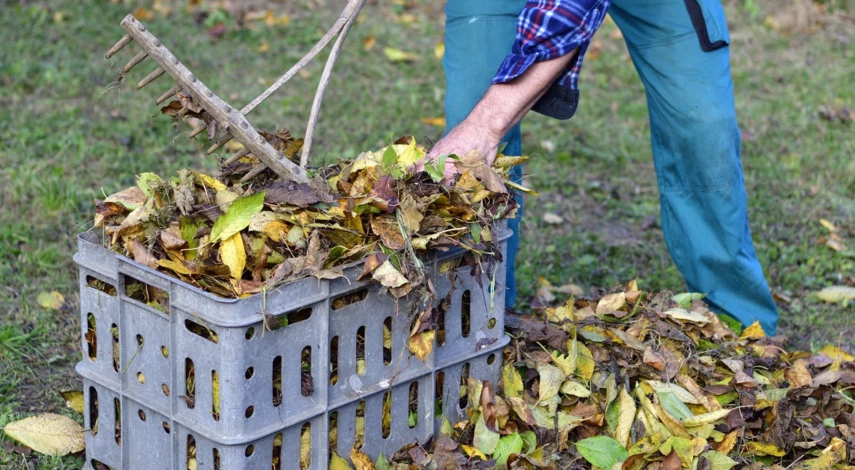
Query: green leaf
(530, 440)
(446, 428)
(719, 461)
(685, 299)
(145, 181)
(602, 451)
(390, 160)
(475, 229)
(436, 169)
(510, 444)
(485, 440)
(674, 407)
(382, 463)
(731, 323)
(727, 397)
(237, 217)
(413, 419)
(338, 463)
(613, 415)
(50, 300)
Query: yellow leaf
(369, 43)
(512, 384)
(421, 344)
(174, 266)
(627, 408)
(727, 443)
(563, 313)
(263, 47)
(233, 255)
(73, 400)
(571, 387)
(276, 230)
(682, 314)
(50, 300)
(551, 378)
(566, 363)
(833, 454)
(584, 362)
(49, 434)
(434, 121)
(828, 225)
(338, 463)
(473, 452)
(836, 294)
(406, 18)
(836, 354)
(143, 14)
(798, 375)
(764, 448)
(305, 447)
(360, 460)
(705, 418)
(439, 50)
(755, 331)
(397, 55)
(611, 303)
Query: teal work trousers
(684, 63)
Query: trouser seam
(671, 40)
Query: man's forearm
(501, 108)
(504, 105)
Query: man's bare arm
(502, 107)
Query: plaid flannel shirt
(549, 29)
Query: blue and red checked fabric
(549, 29)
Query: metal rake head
(234, 122)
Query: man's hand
(464, 138)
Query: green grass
(70, 134)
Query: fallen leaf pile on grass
(237, 239)
(630, 381)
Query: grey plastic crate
(486, 367)
(474, 319)
(158, 351)
(132, 436)
(141, 355)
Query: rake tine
(197, 131)
(242, 153)
(133, 62)
(122, 43)
(219, 144)
(151, 77)
(252, 173)
(172, 91)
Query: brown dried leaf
(389, 232)
(475, 163)
(142, 255)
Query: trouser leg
(478, 36)
(696, 150)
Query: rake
(233, 122)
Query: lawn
(70, 134)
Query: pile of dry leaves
(236, 239)
(630, 381)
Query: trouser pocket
(709, 21)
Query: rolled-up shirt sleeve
(549, 29)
